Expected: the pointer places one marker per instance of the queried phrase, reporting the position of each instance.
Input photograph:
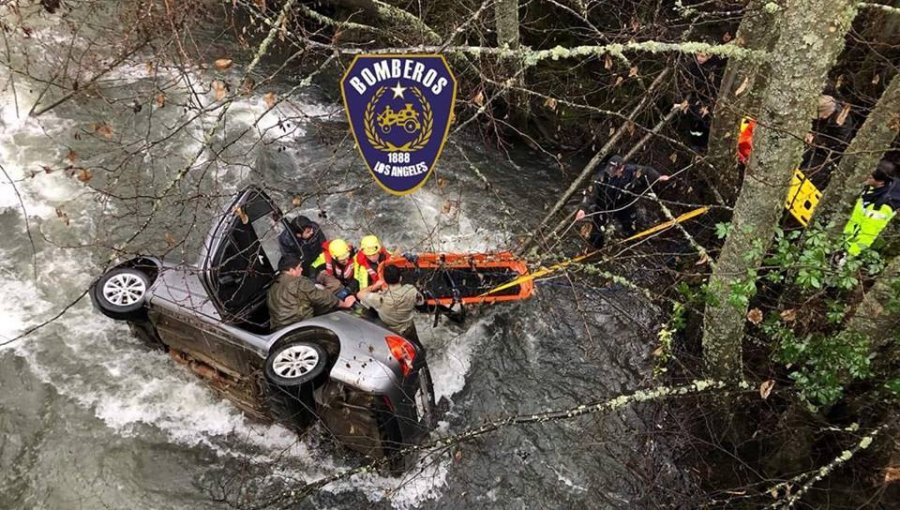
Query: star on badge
(398, 91)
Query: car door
(240, 259)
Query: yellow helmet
(339, 249)
(370, 245)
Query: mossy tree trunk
(811, 35)
(739, 96)
(861, 157)
(878, 315)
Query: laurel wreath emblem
(379, 143)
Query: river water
(89, 418)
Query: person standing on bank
(294, 297)
(395, 303)
(614, 192)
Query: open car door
(241, 256)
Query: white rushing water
(98, 363)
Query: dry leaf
(223, 63)
(296, 201)
(789, 315)
(219, 89)
(842, 117)
(612, 131)
(876, 79)
(765, 388)
(704, 111)
(619, 81)
(239, 212)
(85, 175)
(607, 62)
(550, 103)
(629, 126)
(839, 82)
(103, 129)
(684, 105)
(160, 100)
(247, 86)
(740, 90)
(441, 182)
(755, 316)
(270, 98)
(633, 71)
(674, 157)
(657, 352)
(170, 239)
(72, 156)
(892, 474)
(704, 258)
(478, 98)
(446, 207)
(457, 456)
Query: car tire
(294, 364)
(121, 293)
(293, 407)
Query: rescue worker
(309, 238)
(294, 297)
(371, 254)
(395, 303)
(335, 268)
(874, 209)
(615, 191)
(698, 82)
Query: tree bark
(506, 14)
(739, 96)
(878, 315)
(861, 157)
(811, 35)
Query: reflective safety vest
(745, 139)
(865, 224)
(344, 273)
(366, 273)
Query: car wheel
(296, 363)
(121, 293)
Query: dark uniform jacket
(306, 249)
(610, 192)
(295, 298)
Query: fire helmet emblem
(400, 108)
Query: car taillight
(403, 351)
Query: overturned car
(368, 387)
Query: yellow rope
(547, 270)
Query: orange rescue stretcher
(448, 279)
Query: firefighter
(335, 268)
(615, 191)
(874, 209)
(370, 255)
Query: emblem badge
(400, 108)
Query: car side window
(268, 229)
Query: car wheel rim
(295, 361)
(124, 289)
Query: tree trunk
(756, 32)
(506, 13)
(878, 315)
(811, 35)
(862, 155)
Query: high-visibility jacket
(745, 140)
(346, 273)
(866, 223)
(367, 272)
